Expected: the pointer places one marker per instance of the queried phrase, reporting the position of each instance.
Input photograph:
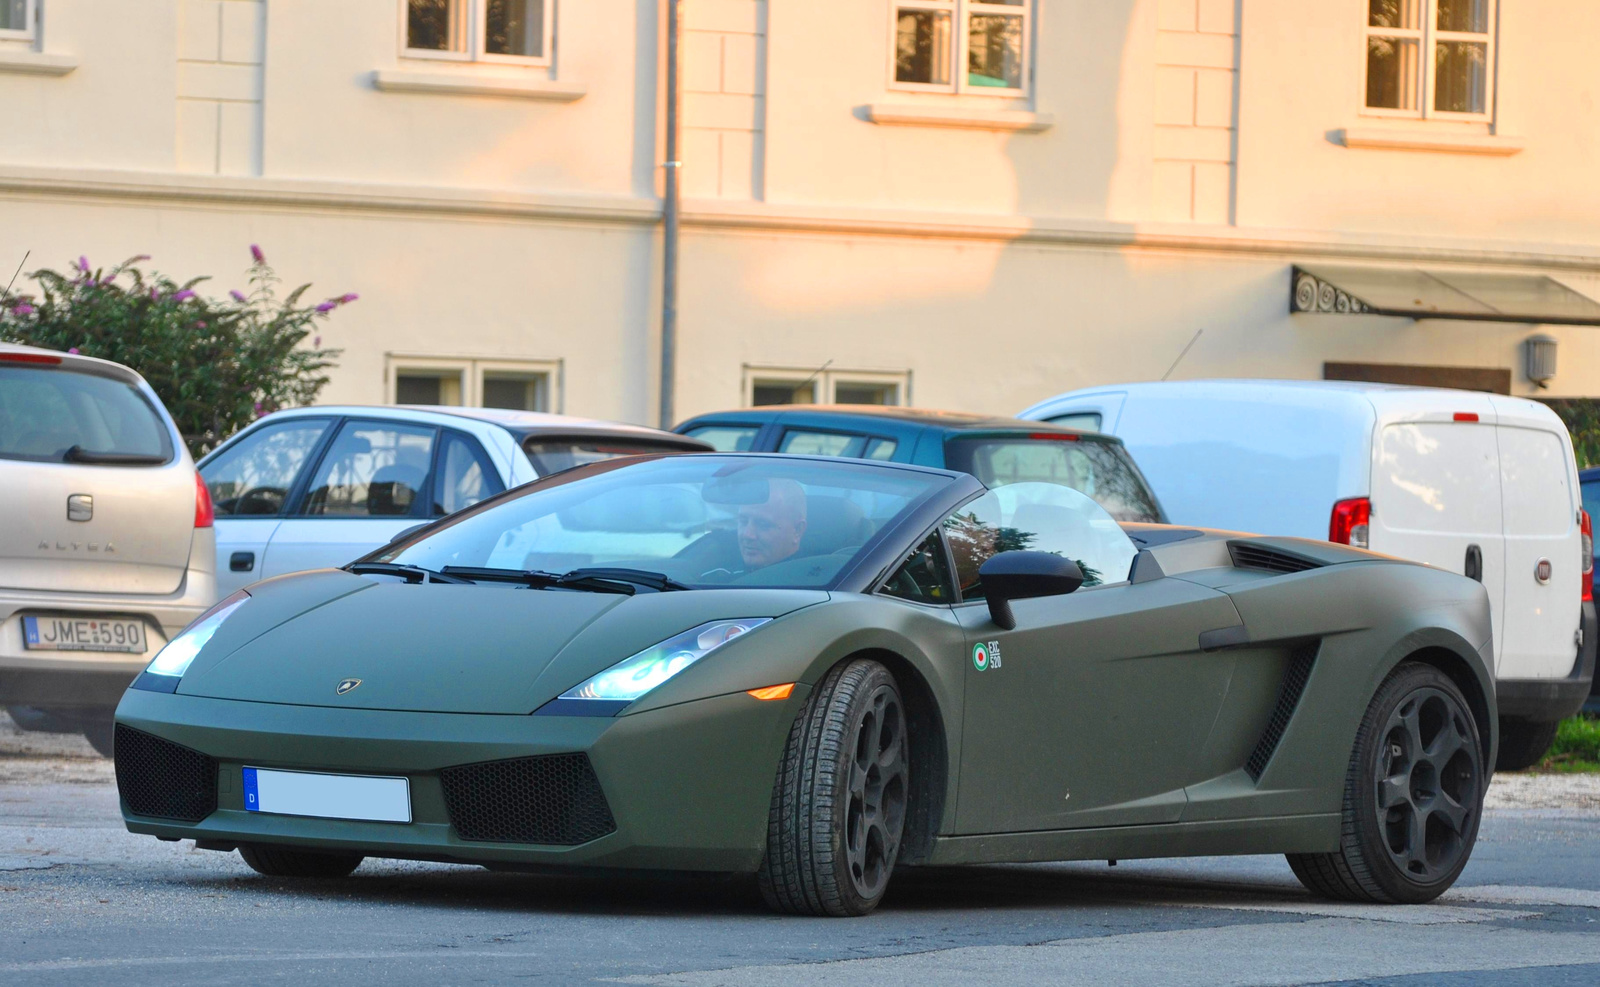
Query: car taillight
(1349, 523)
(1586, 526)
(203, 514)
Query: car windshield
(54, 415)
(701, 521)
(1101, 470)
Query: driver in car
(770, 532)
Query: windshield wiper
(78, 454)
(658, 581)
(410, 573)
(598, 579)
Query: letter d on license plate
(327, 796)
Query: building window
(764, 387)
(17, 18)
(961, 45)
(517, 385)
(478, 30)
(1454, 81)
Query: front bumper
(1548, 700)
(688, 785)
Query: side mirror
(1023, 576)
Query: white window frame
(472, 371)
(30, 24)
(960, 12)
(825, 384)
(1426, 36)
(473, 18)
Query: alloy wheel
(1428, 777)
(876, 813)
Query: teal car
(818, 671)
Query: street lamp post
(669, 237)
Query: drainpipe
(669, 214)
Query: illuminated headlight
(633, 677)
(174, 659)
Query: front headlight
(631, 678)
(174, 659)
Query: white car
(106, 547)
(322, 486)
(1481, 484)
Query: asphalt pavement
(83, 901)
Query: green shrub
(218, 364)
(1577, 745)
(1582, 418)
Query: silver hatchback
(106, 543)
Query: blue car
(1589, 482)
(998, 451)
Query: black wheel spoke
(1451, 813)
(1394, 791)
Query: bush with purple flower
(218, 364)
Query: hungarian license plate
(327, 796)
(83, 634)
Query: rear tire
(1413, 796)
(1523, 743)
(281, 861)
(839, 803)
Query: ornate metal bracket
(1312, 294)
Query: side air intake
(1248, 555)
(163, 780)
(553, 799)
(1295, 676)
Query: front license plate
(307, 793)
(83, 634)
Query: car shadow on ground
(914, 890)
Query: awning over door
(1423, 294)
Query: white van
(1481, 484)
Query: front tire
(839, 804)
(1413, 796)
(281, 861)
(1524, 743)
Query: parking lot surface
(82, 901)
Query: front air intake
(1246, 555)
(554, 799)
(163, 780)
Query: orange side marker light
(772, 691)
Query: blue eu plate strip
(30, 627)
(251, 801)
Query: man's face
(769, 532)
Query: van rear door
(1436, 499)
(1541, 616)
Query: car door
(1436, 499)
(250, 481)
(1091, 711)
(1542, 605)
(371, 483)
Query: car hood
(443, 648)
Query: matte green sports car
(817, 671)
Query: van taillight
(1586, 526)
(1349, 523)
(203, 514)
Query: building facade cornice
(760, 217)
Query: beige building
(947, 202)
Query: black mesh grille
(164, 780)
(1295, 677)
(1271, 559)
(553, 799)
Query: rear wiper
(410, 573)
(658, 581)
(78, 454)
(538, 579)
